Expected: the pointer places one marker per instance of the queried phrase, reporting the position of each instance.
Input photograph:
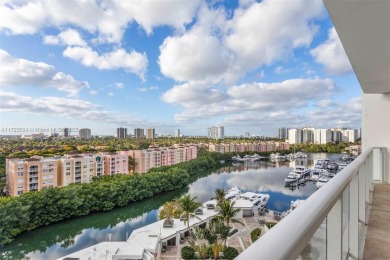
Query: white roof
(106, 250)
(139, 236)
(241, 203)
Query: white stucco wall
(376, 125)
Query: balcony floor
(377, 245)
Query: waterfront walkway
(377, 244)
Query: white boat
(291, 178)
(238, 158)
(302, 171)
(233, 193)
(321, 163)
(322, 181)
(258, 199)
(317, 173)
(277, 157)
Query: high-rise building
(322, 136)
(177, 133)
(121, 132)
(247, 134)
(216, 132)
(85, 133)
(283, 133)
(295, 136)
(139, 133)
(66, 132)
(307, 135)
(150, 133)
(349, 135)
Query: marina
(265, 177)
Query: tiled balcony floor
(377, 245)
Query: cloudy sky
(252, 66)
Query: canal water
(63, 238)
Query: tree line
(35, 209)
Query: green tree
(227, 212)
(187, 206)
(220, 195)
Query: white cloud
(331, 54)
(194, 56)
(65, 107)
(17, 72)
(193, 95)
(133, 61)
(147, 89)
(252, 100)
(346, 114)
(110, 94)
(119, 85)
(106, 18)
(93, 92)
(256, 35)
(69, 37)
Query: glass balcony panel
(316, 248)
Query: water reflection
(72, 235)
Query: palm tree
(187, 206)
(226, 212)
(220, 195)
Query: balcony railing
(331, 223)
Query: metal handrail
(289, 237)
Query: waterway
(66, 237)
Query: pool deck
(240, 240)
(377, 244)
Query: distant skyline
(250, 66)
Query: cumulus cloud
(250, 102)
(193, 95)
(68, 37)
(133, 61)
(147, 89)
(346, 114)
(18, 72)
(106, 18)
(252, 37)
(64, 107)
(331, 54)
(119, 85)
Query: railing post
(354, 218)
(334, 231)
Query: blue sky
(252, 66)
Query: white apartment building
(216, 132)
(323, 136)
(85, 133)
(295, 136)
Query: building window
(20, 186)
(20, 168)
(20, 174)
(20, 180)
(20, 192)
(67, 163)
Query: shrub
(255, 234)
(230, 253)
(187, 252)
(270, 224)
(210, 253)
